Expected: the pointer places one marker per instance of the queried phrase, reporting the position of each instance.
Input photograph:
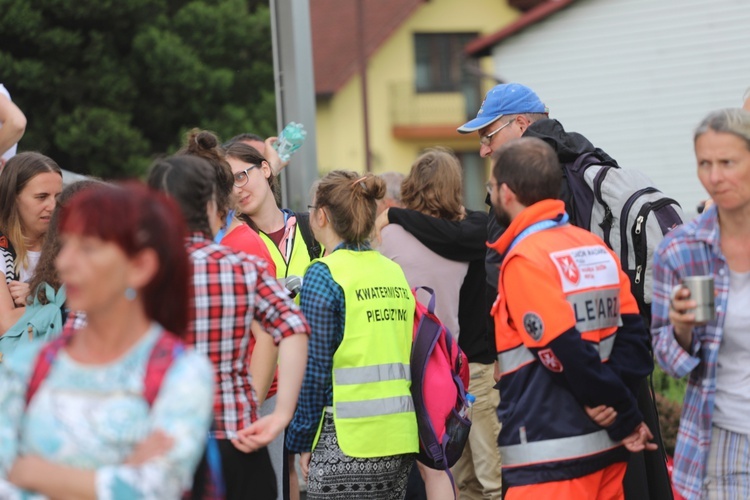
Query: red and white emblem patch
(569, 268)
(548, 359)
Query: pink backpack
(439, 377)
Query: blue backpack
(40, 321)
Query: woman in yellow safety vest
(285, 233)
(287, 237)
(355, 424)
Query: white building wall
(636, 77)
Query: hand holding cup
(691, 304)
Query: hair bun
(374, 187)
(206, 140)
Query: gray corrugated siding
(636, 77)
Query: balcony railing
(408, 107)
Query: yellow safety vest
(372, 406)
(299, 260)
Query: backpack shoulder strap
(431, 303)
(313, 247)
(576, 192)
(167, 348)
(165, 351)
(426, 337)
(44, 361)
(593, 158)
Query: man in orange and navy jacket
(571, 345)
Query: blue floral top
(93, 416)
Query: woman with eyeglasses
(286, 233)
(355, 425)
(287, 236)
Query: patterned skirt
(334, 475)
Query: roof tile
(335, 38)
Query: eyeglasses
(241, 177)
(485, 140)
(310, 209)
(490, 186)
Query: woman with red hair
(117, 408)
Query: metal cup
(702, 292)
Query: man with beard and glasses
(510, 111)
(571, 344)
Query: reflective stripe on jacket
(546, 434)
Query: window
(439, 58)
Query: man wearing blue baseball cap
(511, 111)
(506, 113)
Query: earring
(130, 293)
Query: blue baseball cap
(504, 99)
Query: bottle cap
(470, 398)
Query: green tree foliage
(670, 393)
(108, 84)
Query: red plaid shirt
(230, 290)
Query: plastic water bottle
(457, 428)
(466, 410)
(290, 140)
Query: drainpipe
(363, 82)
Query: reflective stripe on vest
(374, 407)
(513, 359)
(554, 450)
(376, 373)
(298, 260)
(596, 309)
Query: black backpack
(313, 247)
(623, 207)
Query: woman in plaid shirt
(712, 457)
(229, 291)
